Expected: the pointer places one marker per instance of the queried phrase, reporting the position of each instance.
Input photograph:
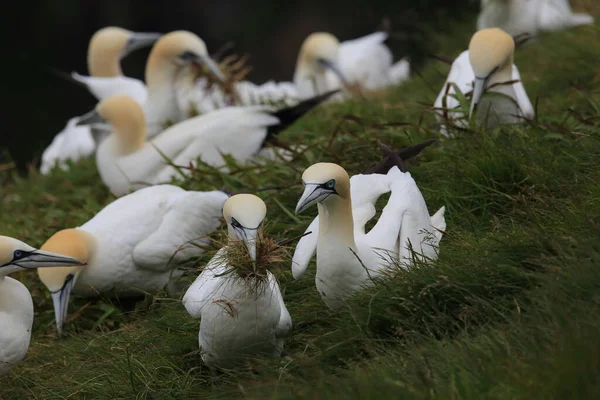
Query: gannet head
(126, 117)
(109, 45)
(490, 51)
(17, 256)
(60, 280)
(323, 181)
(244, 214)
(319, 52)
(175, 50)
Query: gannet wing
(366, 60)
(72, 143)
(102, 88)
(521, 95)
(188, 220)
(284, 326)
(305, 249)
(206, 285)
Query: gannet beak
(140, 40)
(91, 118)
(478, 89)
(313, 194)
(39, 258)
(211, 65)
(60, 299)
(334, 68)
(248, 236)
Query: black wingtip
(396, 158)
(289, 115)
(65, 76)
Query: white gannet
(529, 16)
(338, 233)
(325, 64)
(16, 306)
(485, 67)
(107, 47)
(134, 244)
(171, 59)
(240, 315)
(126, 161)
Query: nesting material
(270, 257)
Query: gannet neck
(336, 221)
(128, 121)
(105, 50)
(75, 243)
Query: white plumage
(529, 16)
(241, 315)
(461, 74)
(404, 224)
(235, 320)
(134, 244)
(16, 306)
(324, 64)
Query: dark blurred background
(43, 34)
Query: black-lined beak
(91, 118)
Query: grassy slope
(511, 310)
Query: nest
(271, 255)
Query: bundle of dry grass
(271, 256)
(234, 69)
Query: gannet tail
(289, 115)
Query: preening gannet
(108, 46)
(348, 257)
(127, 162)
(16, 306)
(241, 315)
(487, 66)
(170, 59)
(529, 16)
(325, 64)
(134, 244)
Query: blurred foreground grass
(511, 310)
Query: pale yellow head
(176, 50)
(244, 215)
(16, 255)
(60, 280)
(109, 45)
(490, 50)
(126, 117)
(323, 181)
(317, 48)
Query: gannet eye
(235, 223)
(330, 184)
(17, 254)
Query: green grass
(511, 310)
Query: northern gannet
(134, 244)
(529, 16)
(241, 315)
(348, 257)
(107, 47)
(127, 161)
(171, 59)
(487, 66)
(16, 306)
(324, 64)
